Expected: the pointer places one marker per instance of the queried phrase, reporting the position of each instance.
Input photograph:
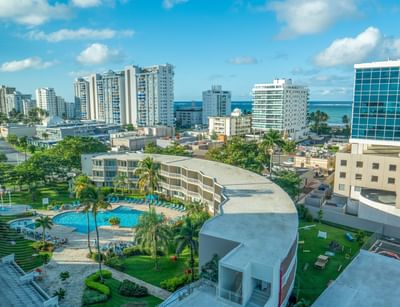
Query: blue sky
(235, 43)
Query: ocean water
(334, 109)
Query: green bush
(308, 217)
(115, 263)
(106, 190)
(64, 275)
(175, 282)
(92, 282)
(133, 251)
(129, 288)
(92, 297)
(95, 256)
(114, 220)
(43, 247)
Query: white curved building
(253, 232)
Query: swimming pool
(21, 223)
(129, 218)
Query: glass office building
(376, 105)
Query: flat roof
(258, 214)
(370, 280)
(394, 63)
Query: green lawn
(117, 300)
(58, 192)
(13, 243)
(142, 267)
(311, 282)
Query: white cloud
(86, 3)
(32, 12)
(243, 60)
(367, 45)
(169, 4)
(302, 17)
(98, 54)
(28, 63)
(82, 33)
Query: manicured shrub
(175, 282)
(114, 220)
(93, 297)
(43, 247)
(64, 275)
(92, 282)
(115, 263)
(308, 217)
(131, 289)
(132, 251)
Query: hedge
(175, 282)
(92, 282)
(92, 297)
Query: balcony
(376, 197)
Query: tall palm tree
(96, 206)
(86, 197)
(46, 223)
(148, 172)
(120, 181)
(289, 147)
(188, 237)
(318, 120)
(152, 233)
(270, 140)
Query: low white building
(236, 124)
(19, 130)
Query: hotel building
(369, 173)
(216, 102)
(282, 106)
(253, 231)
(236, 124)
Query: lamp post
(271, 152)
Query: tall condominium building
(14, 101)
(138, 96)
(216, 102)
(28, 105)
(4, 90)
(82, 102)
(280, 105)
(236, 124)
(46, 100)
(369, 173)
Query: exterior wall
(188, 118)
(18, 130)
(216, 102)
(311, 162)
(230, 126)
(133, 143)
(345, 186)
(280, 106)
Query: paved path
(13, 156)
(72, 258)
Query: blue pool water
(78, 220)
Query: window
(358, 177)
(343, 162)
(341, 187)
(357, 189)
(359, 164)
(374, 178)
(375, 165)
(342, 175)
(392, 167)
(391, 181)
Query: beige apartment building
(235, 124)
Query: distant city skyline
(232, 43)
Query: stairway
(258, 298)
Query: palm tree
(270, 140)
(152, 233)
(46, 223)
(289, 147)
(318, 120)
(96, 206)
(86, 197)
(188, 237)
(148, 172)
(120, 181)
